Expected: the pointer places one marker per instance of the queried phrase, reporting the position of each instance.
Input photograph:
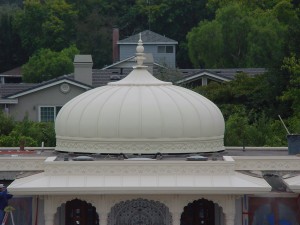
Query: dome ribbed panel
(92, 112)
(151, 114)
(170, 115)
(69, 117)
(209, 115)
(129, 123)
(191, 116)
(108, 119)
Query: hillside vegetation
(210, 33)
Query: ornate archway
(202, 212)
(77, 212)
(139, 212)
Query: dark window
(169, 49)
(161, 49)
(49, 113)
(164, 49)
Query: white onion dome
(139, 114)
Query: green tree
(47, 24)
(47, 64)
(265, 41)
(234, 20)
(208, 35)
(26, 133)
(250, 37)
(6, 123)
(11, 54)
(292, 93)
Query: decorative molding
(135, 147)
(22, 163)
(139, 168)
(65, 88)
(281, 163)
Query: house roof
(14, 71)
(149, 37)
(12, 88)
(220, 74)
(46, 84)
(103, 76)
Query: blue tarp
(4, 197)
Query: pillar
(204, 81)
(49, 218)
(229, 209)
(229, 218)
(49, 210)
(103, 218)
(176, 218)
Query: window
(164, 49)
(48, 113)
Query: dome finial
(140, 53)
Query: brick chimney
(83, 65)
(115, 48)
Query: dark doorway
(201, 212)
(79, 212)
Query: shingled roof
(148, 37)
(12, 88)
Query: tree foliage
(292, 93)
(13, 133)
(250, 37)
(47, 64)
(49, 24)
(11, 53)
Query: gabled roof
(204, 73)
(219, 74)
(47, 84)
(11, 88)
(149, 37)
(15, 71)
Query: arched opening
(139, 212)
(76, 212)
(202, 212)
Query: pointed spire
(140, 54)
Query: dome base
(140, 147)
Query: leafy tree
(292, 93)
(6, 123)
(208, 35)
(47, 64)
(28, 133)
(265, 41)
(94, 36)
(11, 53)
(55, 28)
(251, 38)
(234, 20)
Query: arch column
(103, 208)
(176, 218)
(229, 218)
(175, 209)
(229, 209)
(49, 210)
